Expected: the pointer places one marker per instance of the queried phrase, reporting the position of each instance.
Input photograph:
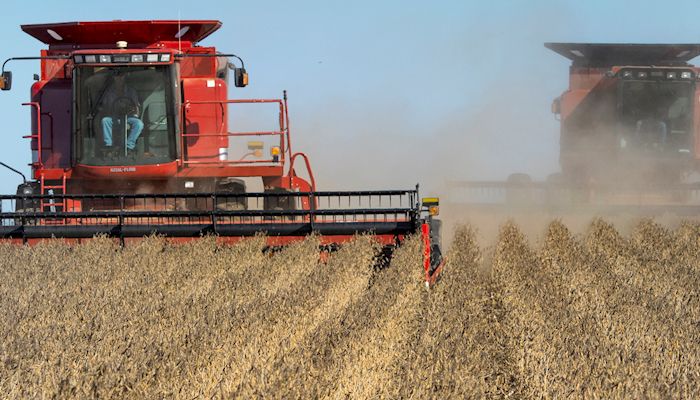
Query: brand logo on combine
(123, 169)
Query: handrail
(36, 136)
(292, 173)
(283, 129)
(232, 162)
(286, 120)
(235, 134)
(244, 101)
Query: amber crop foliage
(596, 315)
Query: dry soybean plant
(596, 315)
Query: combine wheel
(226, 188)
(27, 205)
(519, 190)
(279, 202)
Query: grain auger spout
(132, 134)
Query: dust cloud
(480, 110)
(500, 123)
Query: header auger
(133, 134)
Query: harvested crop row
(651, 341)
(374, 357)
(584, 320)
(530, 295)
(462, 349)
(312, 368)
(286, 325)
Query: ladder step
(46, 188)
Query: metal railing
(36, 136)
(283, 132)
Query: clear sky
(383, 94)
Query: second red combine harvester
(132, 135)
(629, 137)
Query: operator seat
(154, 113)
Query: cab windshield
(124, 115)
(657, 116)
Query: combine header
(131, 136)
(629, 142)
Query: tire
(279, 202)
(27, 205)
(227, 187)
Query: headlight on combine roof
(686, 75)
(105, 58)
(165, 57)
(137, 58)
(90, 58)
(151, 57)
(671, 75)
(78, 59)
(627, 74)
(642, 75)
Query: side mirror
(556, 106)
(6, 80)
(240, 77)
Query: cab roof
(615, 54)
(109, 32)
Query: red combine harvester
(629, 139)
(131, 136)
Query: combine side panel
(56, 113)
(205, 125)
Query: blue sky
(384, 94)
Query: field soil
(595, 314)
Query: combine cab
(132, 135)
(629, 142)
